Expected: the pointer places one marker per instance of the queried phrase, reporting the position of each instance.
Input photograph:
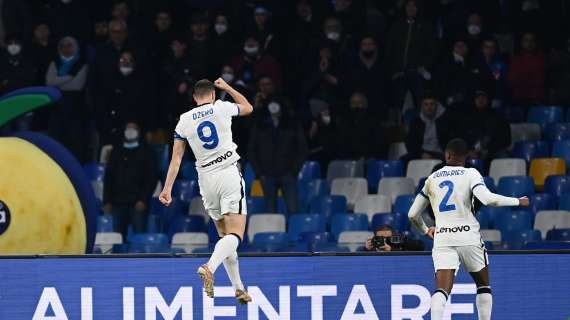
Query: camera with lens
(395, 241)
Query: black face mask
(368, 53)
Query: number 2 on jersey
(210, 141)
(443, 206)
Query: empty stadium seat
(542, 201)
(310, 239)
(404, 203)
(398, 221)
(185, 190)
(551, 219)
(187, 223)
(189, 240)
(271, 241)
(348, 222)
(515, 220)
(490, 183)
(529, 150)
(491, 235)
(564, 202)
(105, 240)
(149, 238)
(484, 218)
(396, 150)
(548, 245)
(272, 222)
(507, 167)
(518, 186)
(105, 223)
(310, 170)
(420, 168)
(558, 235)
(477, 164)
(256, 205)
(248, 177)
(543, 115)
(97, 186)
(328, 205)
(351, 188)
(544, 167)
(557, 185)
(94, 171)
(524, 132)
(354, 239)
(557, 131)
(344, 169)
(154, 224)
(371, 204)
(378, 169)
(521, 236)
(105, 153)
(394, 187)
(561, 149)
(304, 222)
(188, 170)
(311, 189)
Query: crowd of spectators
(336, 79)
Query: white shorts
(474, 257)
(223, 191)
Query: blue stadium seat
(154, 224)
(168, 214)
(256, 205)
(208, 249)
(516, 186)
(281, 205)
(529, 150)
(328, 205)
(564, 202)
(490, 183)
(477, 164)
(248, 177)
(421, 184)
(561, 149)
(187, 223)
(542, 201)
(516, 220)
(120, 248)
(329, 247)
(149, 238)
(155, 207)
(399, 221)
(544, 115)
(105, 223)
(344, 169)
(378, 169)
(311, 189)
(548, 245)
(149, 248)
(557, 185)
(94, 171)
(310, 170)
(503, 246)
(558, 235)
(304, 222)
(188, 170)
(271, 241)
(489, 245)
(484, 218)
(310, 239)
(162, 154)
(521, 236)
(557, 131)
(348, 222)
(185, 190)
(403, 203)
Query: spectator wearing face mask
(333, 33)
(130, 178)
(359, 135)
(322, 85)
(68, 72)
(262, 29)
(253, 63)
(16, 69)
(176, 78)
(224, 39)
(277, 150)
(229, 75)
(475, 31)
(130, 96)
(526, 72)
(322, 138)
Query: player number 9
(210, 141)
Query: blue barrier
(525, 286)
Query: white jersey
(208, 129)
(450, 193)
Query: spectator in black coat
(277, 150)
(264, 32)
(476, 32)
(17, 69)
(321, 86)
(66, 18)
(359, 134)
(225, 42)
(42, 49)
(430, 132)
(161, 37)
(130, 178)
(200, 48)
(486, 131)
(322, 138)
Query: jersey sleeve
(424, 191)
(227, 108)
(475, 179)
(178, 131)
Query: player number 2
(444, 206)
(210, 140)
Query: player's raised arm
(245, 107)
(177, 153)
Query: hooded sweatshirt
(431, 142)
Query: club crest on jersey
(218, 159)
(464, 228)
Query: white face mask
(252, 51)
(64, 58)
(131, 134)
(228, 77)
(14, 49)
(220, 28)
(334, 36)
(126, 70)
(474, 29)
(273, 107)
(326, 119)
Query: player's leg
(235, 225)
(476, 263)
(446, 262)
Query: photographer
(386, 239)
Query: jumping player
(207, 128)
(456, 236)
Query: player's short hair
(457, 147)
(203, 87)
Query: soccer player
(207, 128)
(456, 236)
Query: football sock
(225, 247)
(484, 302)
(231, 264)
(438, 301)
